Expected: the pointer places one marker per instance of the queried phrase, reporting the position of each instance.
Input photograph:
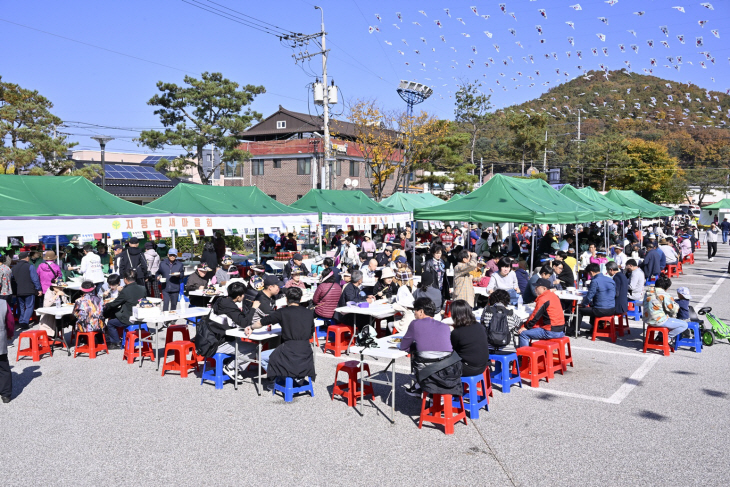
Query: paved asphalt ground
(619, 417)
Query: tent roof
(195, 199)
(61, 197)
(456, 197)
(340, 201)
(720, 205)
(630, 199)
(593, 199)
(506, 199)
(410, 201)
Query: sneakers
(414, 391)
(712, 259)
(229, 370)
(6, 399)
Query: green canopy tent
(593, 199)
(721, 210)
(646, 208)
(44, 205)
(410, 201)
(456, 197)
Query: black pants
(169, 301)
(6, 377)
(594, 313)
(711, 249)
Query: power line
(236, 18)
(253, 18)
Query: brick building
(288, 158)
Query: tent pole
(413, 234)
(576, 271)
(173, 240)
(532, 251)
(256, 244)
(321, 235)
(58, 252)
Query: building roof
(134, 180)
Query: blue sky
(141, 42)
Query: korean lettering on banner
(84, 237)
(138, 234)
(166, 233)
(182, 232)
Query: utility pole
(102, 140)
(544, 159)
(326, 104)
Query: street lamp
(102, 140)
(412, 93)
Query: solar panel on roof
(139, 173)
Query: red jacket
(326, 298)
(548, 313)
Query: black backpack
(206, 342)
(498, 334)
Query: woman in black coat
(211, 258)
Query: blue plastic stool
(476, 401)
(694, 342)
(133, 328)
(636, 313)
(286, 385)
(650, 281)
(216, 376)
(501, 375)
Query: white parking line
(712, 291)
(633, 381)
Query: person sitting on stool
(547, 320)
(601, 296)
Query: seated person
(601, 298)
(683, 297)
(547, 320)
(353, 292)
(329, 263)
(327, 295)
(636, 280)
(293, 357)
(297, 261)
(383, 259)
(225, 272)
(296, 280)
(369, 268)
(545, 272)
(498, 302)
(425, 289)
(404, 305)
(429, 342)
(55, 292)
(562, 275)
(227, 314)
(88, 310)
(469, 340)
(622, 288)
(198, 281)
(660, 309)
(385, 287)
(670, 254)
(127, 299)
(504, 279)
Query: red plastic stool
(566, 354)
(689, 259)
(651, 342)
(533, 365)
(342, 335)
(91, 348)
(39, 345)
(179, 329)
(351, 392)
(672, 270)
(623, 326)
(447, 309)
(609, 331)
(552, 356)
(180, 361)
(488, 381)
(442, 411)
(130, 351)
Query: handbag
(9, 322)
(206, 343)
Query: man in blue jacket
(27, 286)
(622, 287)
(652, 264)
(601, 298)
(170, 274)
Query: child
(683, 301)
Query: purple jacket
(427, 335)
(48, 271)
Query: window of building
(277, 163)
(368, 170)
(354, 169)
(304, 166)
(272, 196)
(257, 168)
(281, 124)
(299, 196)
(208, 157)
(234, 170)
(338, 167)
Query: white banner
(349, 219)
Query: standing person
(619, 257)
(436, 267)
(90, 267)
(106, 259)
(6, 377)
(170, 274)
(368, 246)
(446, 237)
(127, 299)
(622, 288)
(132, 259)
(711, 236)
(463, 285)
(49, 271)
(27, 287)
(117, 259)
(725, 227)
(210, 258)
(153, 263)
(219, 243)
(6, 280)
(469, 340)
(350, 255)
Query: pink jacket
(48, 271)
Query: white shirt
(497, 281)
(669, 253)
(91, 268)
(712, 235)
(620, 260)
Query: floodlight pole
(102, 140)
(412, 97)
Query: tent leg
(532, 250)
(173, 240)
(413, 252)
(256, 244)
(321, 237)
(58, 252)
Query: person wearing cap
(267, 297)
(622, 288)
(225, 272)
(463, 285)
(547, 320)
(683, 297)
(546, 272)
(296, 262)
(53, 293)
(132, 258)
(670, 255)
(385, 287)
(296, 280)
(26, 286)
(619, 257)
(601, 298)
(89, 310)
(652, 261)
(170, 274)
(153, 260)
(327, 294)
(368, 246)
(426, 289)
(123, 306)
(48, 271)
(90, 267)
(383, 258)
(403, 273)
